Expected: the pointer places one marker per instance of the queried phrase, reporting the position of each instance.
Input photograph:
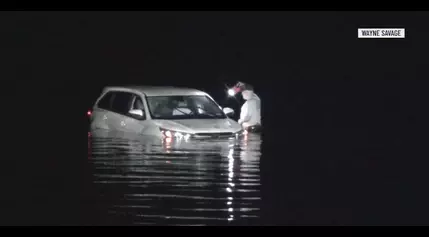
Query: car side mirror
(138, 113)
(228, 111)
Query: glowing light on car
(187, 136)
(89, 113)
(168, 134)
(174, 135)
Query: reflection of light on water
(230, 183)
(245, 135)
(230, 165)
(168, 141)
(231, 217)
(231, 152)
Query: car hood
(200, 125)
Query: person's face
(247, 94)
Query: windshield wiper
(192, 112)
(181, 111)
(207, 113)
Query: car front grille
(214, 135)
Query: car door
(101, 112)
(135, 123)
(120, 107)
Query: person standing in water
(250, 114)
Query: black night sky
(345, 119)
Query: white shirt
(251, 112)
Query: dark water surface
(205, 183)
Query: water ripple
(206, 183)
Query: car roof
(157, 90)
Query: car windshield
(184, 107)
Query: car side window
(104, 103)
(138, 103)
(122, 102)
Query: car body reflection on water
(146, 181)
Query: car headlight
(174, 134)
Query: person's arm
(244, 116)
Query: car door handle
(104, 117)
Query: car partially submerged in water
(166, 112)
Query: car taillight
(89, 113)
